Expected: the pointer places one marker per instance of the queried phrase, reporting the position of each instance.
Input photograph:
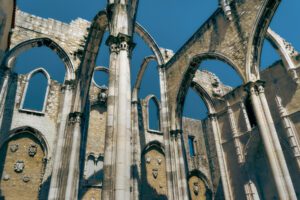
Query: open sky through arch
(171, 23)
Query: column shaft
(276, 163)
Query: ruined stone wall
(71, 37)
(92, 180)
(14, 117)
(149, 135)
(193, 128)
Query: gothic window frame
(158, 106)
(192, 145)
(28, 77)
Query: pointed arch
(257, 35)
(280, 46)
(28, 88)
(152, 127)
(36, 133)
(11, 56)
(187, 79)
(154, 145)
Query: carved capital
(176, 133)
(119, 43)
(212, 116)
(69, 85)
(75, 117)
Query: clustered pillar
(117, 157)
(271, 142)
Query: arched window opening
(150, 81)
(101, 78)
(194, 106)
(35, 92)
(94, 170)
(41, 56)
(154, 116)
(224, 72)
(268, 56)
(89, 169)
(191, 140)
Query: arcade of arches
(92, 136)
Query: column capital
(69, 85)
(75, 117)
(212, 116)
(254, 87)
(120, 42)
(176, 133)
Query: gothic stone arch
(237, 40)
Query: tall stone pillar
(72, 186)
(6, 74)
(178, 168)
(55, 184)
(271, 142)
(117, 156)
(221, 158)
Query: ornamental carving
(32, 150)
(14, 147)
(155, 173)
(19, 166)
(6, 177)
(148, 160)
(196, 188)
(26, 179)
(102, 97)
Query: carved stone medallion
(155, 173)
(196, 188)
(14, 147)
(19, 166)
(148, 159)
(26, 179)
(32, 150)
(6, 177)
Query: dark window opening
(250, 112)
(154, 118)
(191, 140)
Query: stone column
(117, 158)
(165, 127)
(5, 77)
(73, 171)
(235, 134)
(178, 171)
(58, 160)
(271, 143)
(221, 158)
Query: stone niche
(21, 167)
(154, 177)
(198, 189)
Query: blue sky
(170, 22)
